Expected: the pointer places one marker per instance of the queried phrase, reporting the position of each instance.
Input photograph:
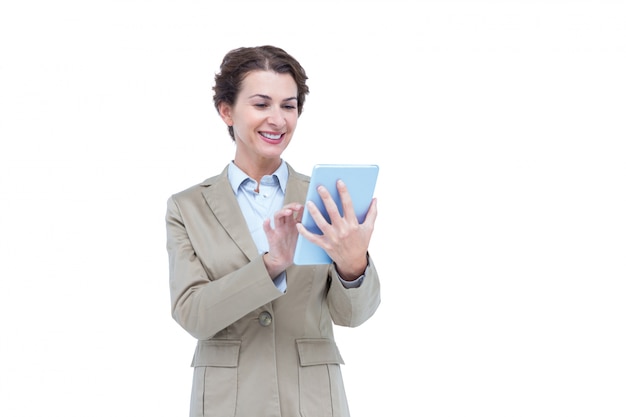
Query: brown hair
(240, 62)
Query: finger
(329, 204)
(267, 228)
(317, 216)
(346, 201)
(293, 206)
(281, 216)
(291, 211)
(310, 236)
(298, 213)
(372, 213)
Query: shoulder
(196, 190)
(297, 186)
(295, 175)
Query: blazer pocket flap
(217, 352)
(318, 352)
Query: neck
(258, 169)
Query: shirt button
(265, 319)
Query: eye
(261, 105)
(289, 107)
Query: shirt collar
(236, 176)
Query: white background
(499, 129)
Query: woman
(264, 326)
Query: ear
(225, 111)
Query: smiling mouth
(271, 136)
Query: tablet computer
(361, 182)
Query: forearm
(204, 307)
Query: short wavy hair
(241, 61)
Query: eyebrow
(266, 97)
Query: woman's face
(264, 117)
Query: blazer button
(265, 319)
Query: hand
(344, 239)
(282, 238)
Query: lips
(271, 135)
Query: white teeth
(270, 136)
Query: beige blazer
(260, 352)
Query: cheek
(293, 121)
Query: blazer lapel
(222, 202)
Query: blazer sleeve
(204, 305)
(351, 307)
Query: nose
(276, 118)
